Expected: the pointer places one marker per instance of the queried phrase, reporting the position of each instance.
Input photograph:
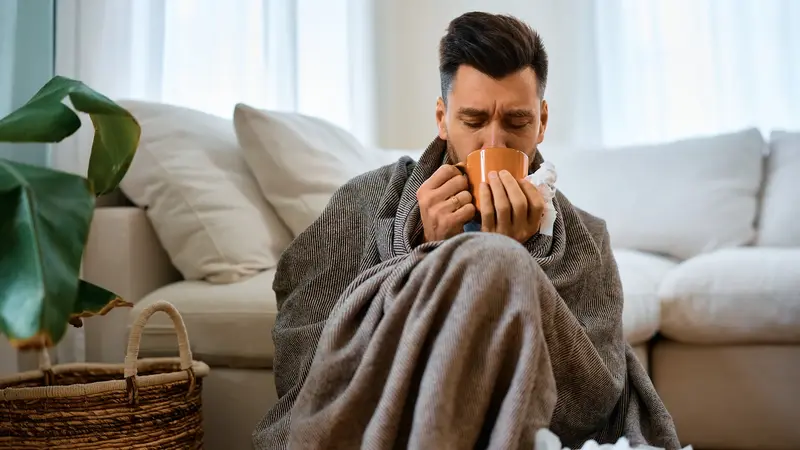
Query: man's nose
(495, 136)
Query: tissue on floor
(546, 440)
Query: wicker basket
(151, 403)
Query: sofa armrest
(123, 254)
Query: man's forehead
(474, 89)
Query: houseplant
(45, 214)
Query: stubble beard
(452, 156)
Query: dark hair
(497, 45)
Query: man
(399, 329)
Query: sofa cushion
(641, 274)
(741, 296)
(299, 161)
(229, 325)
(779, 221)
(681, 198)
(190, 175)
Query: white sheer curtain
(678, 68)
(8, 30)
(308, 56)
(8, 14)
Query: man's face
(482, 112)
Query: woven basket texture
(163, 418)
(146, 404)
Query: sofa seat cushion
(641, 274)
(744, 295)
(229, 325)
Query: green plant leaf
(46, 119)
(44, 223)
(94, 300)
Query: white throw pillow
(299, 161)
(779, 221)
(205, 205)
(681, 198)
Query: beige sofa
(712, 307)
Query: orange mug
(480, 162)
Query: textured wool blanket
(474, 342)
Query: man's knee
(488, 251)
(487, 244)
(495, 272)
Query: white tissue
(546, 440)
(545, 181)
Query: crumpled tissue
(546, 440)
(545, 181)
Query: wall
(26, 63)
(407, 38)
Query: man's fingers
(488, 222)
(454, 212)
(442, 175)
(502, 206)
(454, 202)
(446, 182)
(450, 188)
(458, 201)
(535, 200)
(463, 215)
(517, 199)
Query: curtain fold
(8, 31)
(670, 70)
(289, 55)
(114, 47)
(657, 70)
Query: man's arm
(639, 415)
(590, 367)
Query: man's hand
(510, 207)
(445, 204)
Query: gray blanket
(473, 342)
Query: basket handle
(132, 355)
(46, 367)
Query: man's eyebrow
(472, 112)
(475, 112)
(521, 113)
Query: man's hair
(496, 45)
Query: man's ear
(543, 122)
(441, 115)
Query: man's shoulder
(591, 221)
(355, 203)
(596, 225)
